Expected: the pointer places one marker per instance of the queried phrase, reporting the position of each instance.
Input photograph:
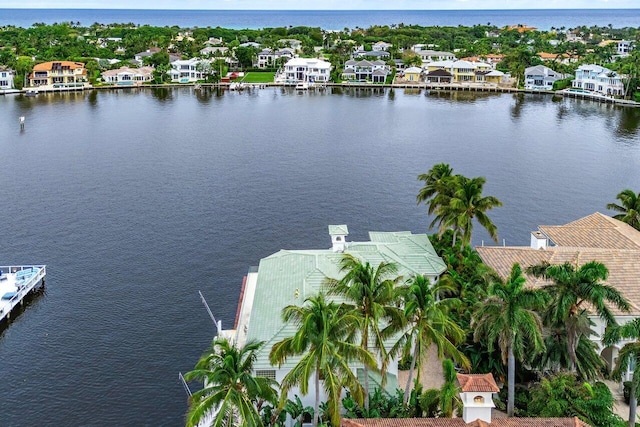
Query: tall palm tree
(373, 295)
(447, 399)
(429, 324)
(571, 291)
(466, 204)
(629, 356)
(434, 184)
(231, 391)
(325, 341)
(509, 316)
(629, 208)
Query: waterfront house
(6, 78)
(288, 277)
(188, 70)
(58, 75)
(540, 77)
(374, 71)
(413, 74)
(464, 71)
(267, 58)
(598, 79)
(125, 76)
(307, 70)
(596, 237)
(381, 46)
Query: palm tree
(325, 341)
(429, 323)
(434, 184)
(373, 293)
(629, 208)
(571, 291)
(466, 204)
(508, 316)
(628, 357)
(447, 399)
(231, 391)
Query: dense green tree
(427, 312)
(571, 290)
(373, 295)
(628, 359)
(231, 392)
(629, 208)
(509, 317)
(325, 341)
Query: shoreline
(419, 86)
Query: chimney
(477, 396)
(338, 235)
(538, 240)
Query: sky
(324, 4)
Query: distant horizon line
(315, 10)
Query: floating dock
(16, 282)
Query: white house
(290, 276)
(294, 44)
(624, 47)
(429, 56)
(309, 70)
(214, 51)
(598, 79)
(188, 71)
(6, 78)
(596, 237)
(125, 76)
(540, 77)
(381, 46)
(267, 58)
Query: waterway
(136, 200)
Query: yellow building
(413, 74)
(58, 74)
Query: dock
(16, 283)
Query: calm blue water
(137, 200)
(331, 20)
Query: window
(266, 373)
(478, 399)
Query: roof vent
(338, 235)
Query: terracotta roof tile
(477, 382)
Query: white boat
(302, 86)
(31, 92)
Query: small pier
(16, 282)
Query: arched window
(338, 239)
(478, 399)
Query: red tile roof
(459, 422)
(478, 382)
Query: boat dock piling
(16, 282)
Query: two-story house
(429, 56)
(374, 71)
(58, 75)
(307, 70)
(188, 70)
(598, 79)
(6, 78)
(623, 47)
(381, 46)
(267, 58)
(540, 77)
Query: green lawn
(259, 77)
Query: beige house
(596, 237)
(58, 75)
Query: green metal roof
(289, 276)
(338, 230)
